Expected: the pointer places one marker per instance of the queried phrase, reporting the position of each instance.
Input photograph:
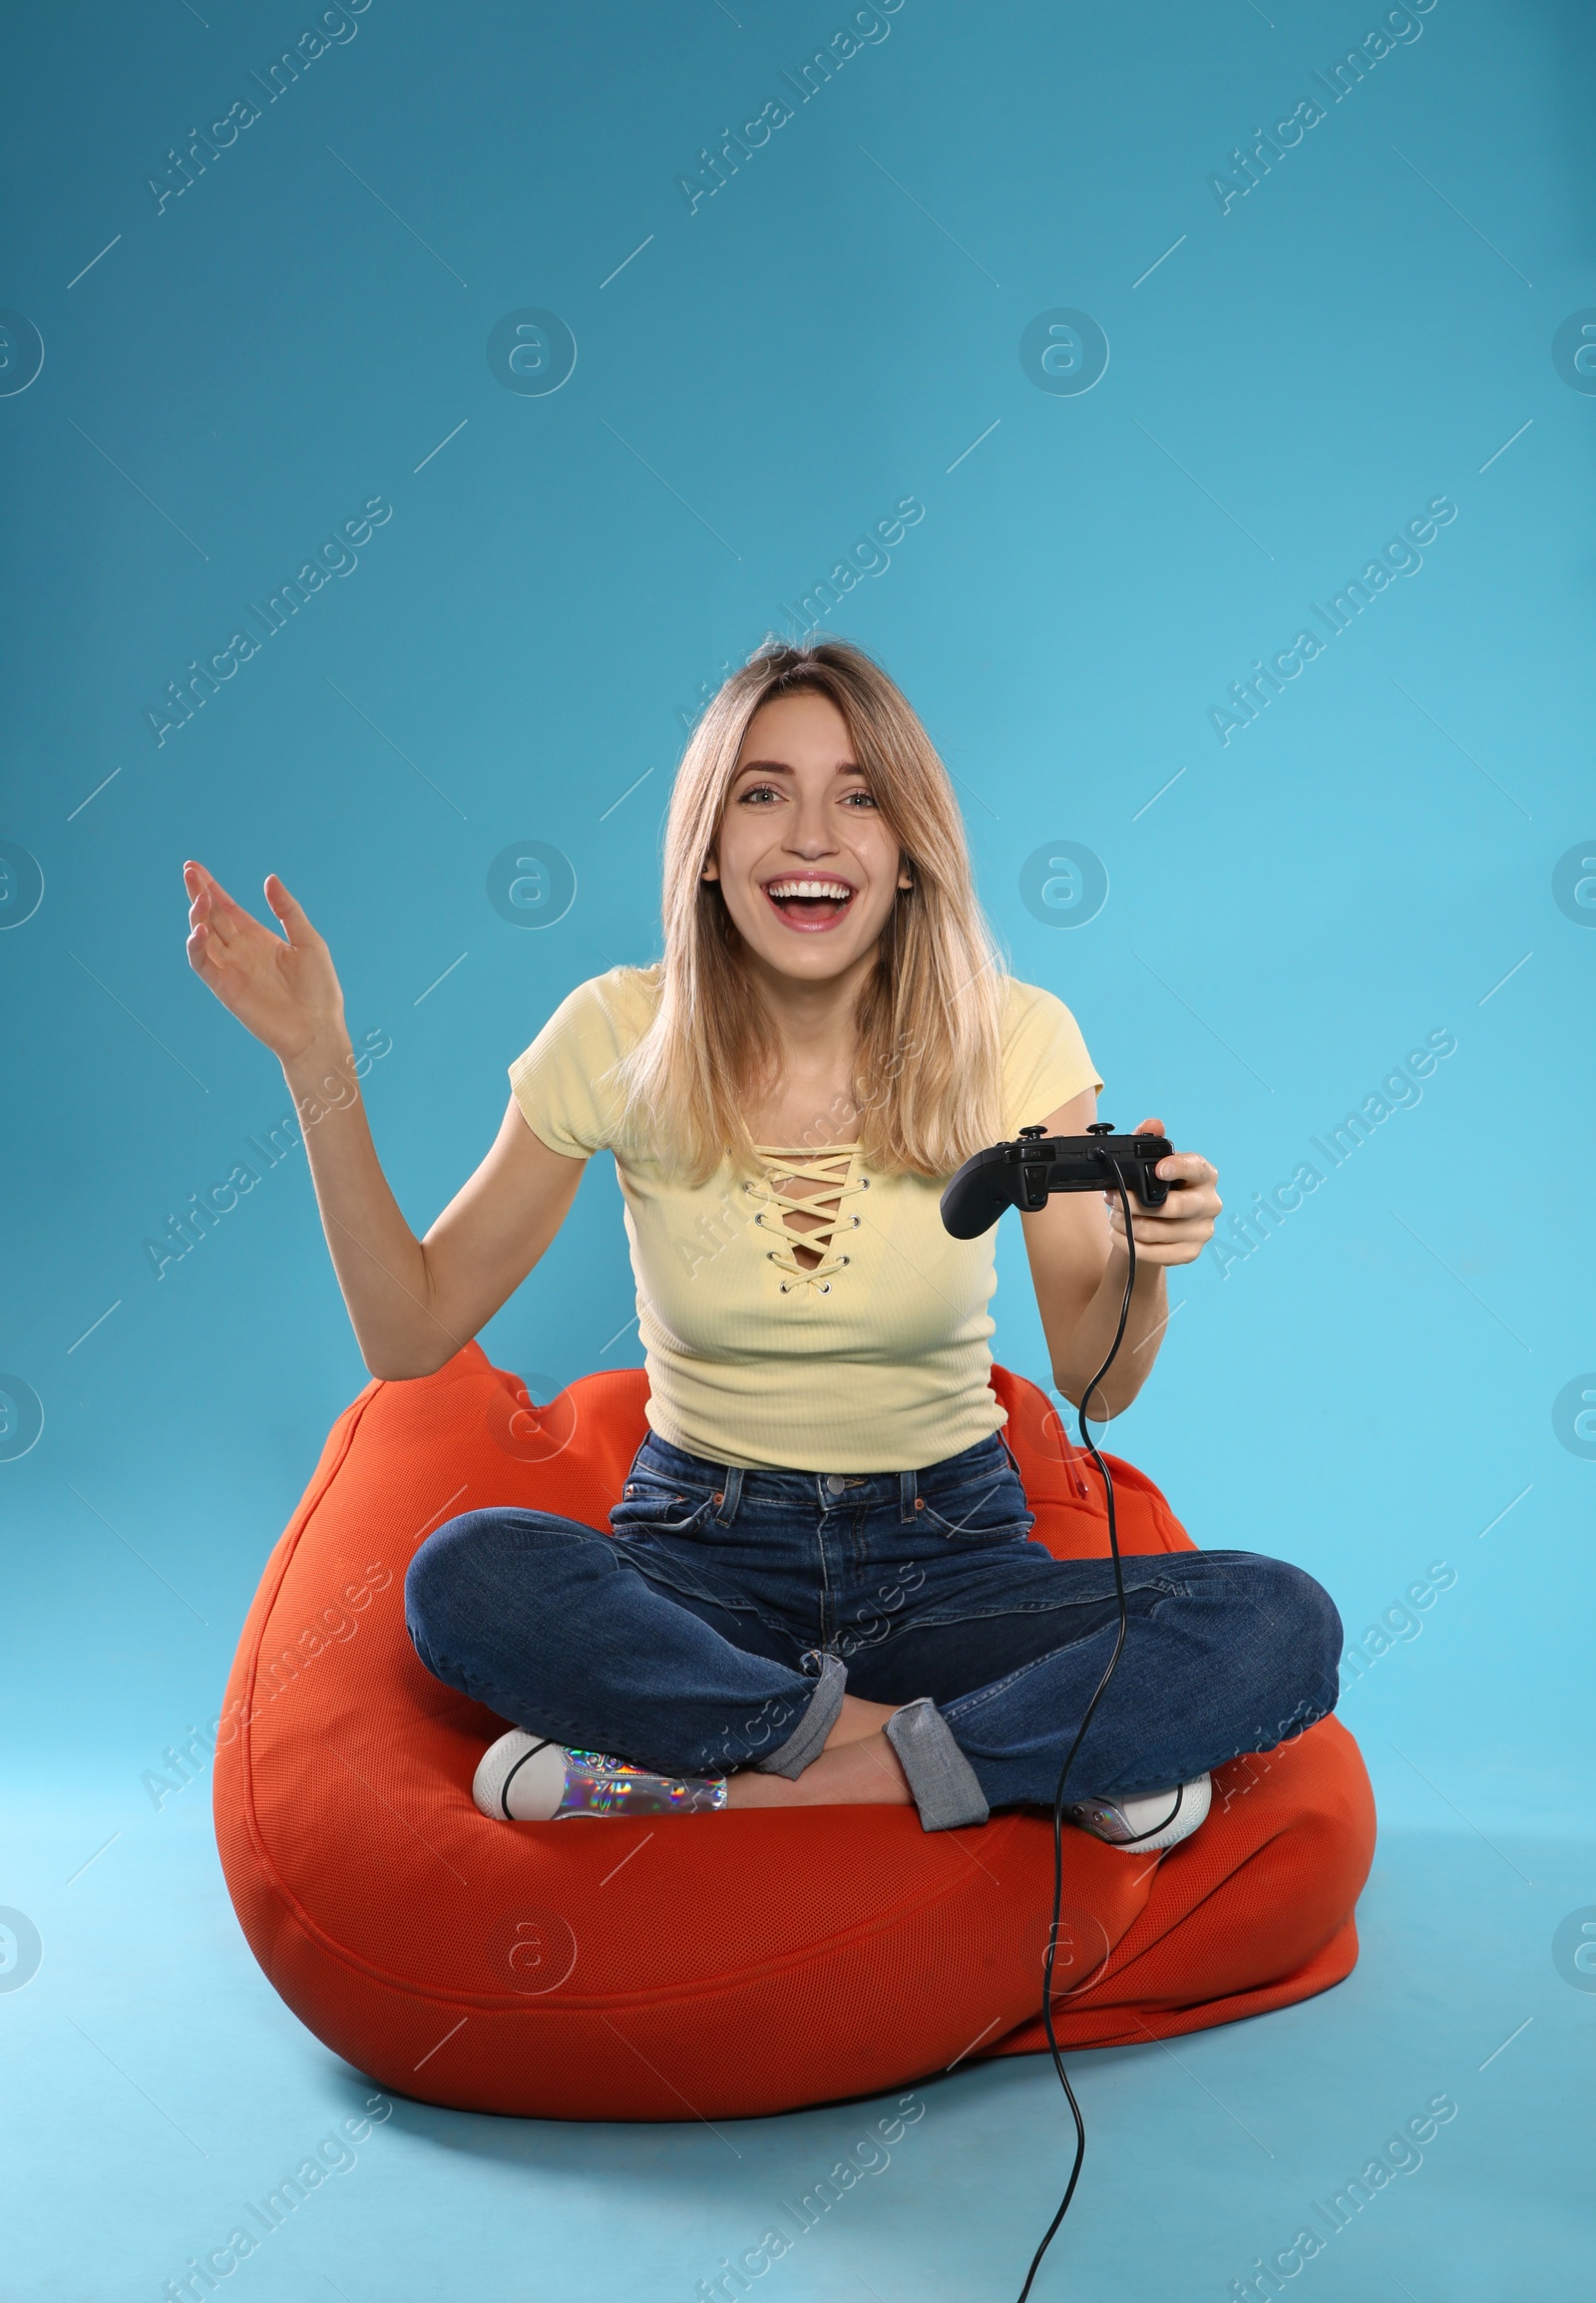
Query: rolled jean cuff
(808, 1738)
(945, 1785)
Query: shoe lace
(828, 1175)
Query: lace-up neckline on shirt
(830, 1180)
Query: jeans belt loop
(730, 1497)
(908, 1495)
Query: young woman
(818, 1587)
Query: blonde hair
(929, 1017)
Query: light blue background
(831, 331)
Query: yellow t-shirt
(875, 1360)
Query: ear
(906, 877)
(711, 870)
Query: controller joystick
(1023, 1174)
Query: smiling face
(807, 864)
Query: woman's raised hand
(284, 988)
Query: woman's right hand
(284, 988)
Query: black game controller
(1022, 1175)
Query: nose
(809, 833)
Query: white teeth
(837, 888)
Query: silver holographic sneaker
(527, 1779)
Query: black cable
(1091, 1448)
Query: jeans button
(835, 1483)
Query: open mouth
(809, 900)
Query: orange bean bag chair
(718, 1965)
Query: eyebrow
(785, 767)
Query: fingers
(1154, 1224)
(1193, 1201)
(211, 905)
(296, 922)
(204, 956)
(200, 882)
(1189, 1168)
(1164, 1255)
(1163, 1238)
(1186, 1240)
(1192, 1196)
(196, 879)
(1180, 1167)
(1190, 1178)
(202, 946)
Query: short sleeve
(564, 1081)
(1046, 1062)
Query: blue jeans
(718, 1624)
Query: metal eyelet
(785, 1288)
(856, 1221)
(770, 1254)
(825, 1288)
(845, 1259)
(864, 1183)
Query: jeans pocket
(652, 1506)
(991, 1509)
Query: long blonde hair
(929, 1017)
